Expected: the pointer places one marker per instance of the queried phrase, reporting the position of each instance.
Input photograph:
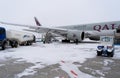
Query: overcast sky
(59, 12)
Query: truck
(20, 37)
(14, 38)
(3, 39)
(106, 46)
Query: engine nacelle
(75, 35)
(96, 38)
(95, 35)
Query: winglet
(37, 22)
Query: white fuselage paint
(96, 29)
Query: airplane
(77, 33)
(95, 35)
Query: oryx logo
(26, 36)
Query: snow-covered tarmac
(68, 58)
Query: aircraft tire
(14, 44)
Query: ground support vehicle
(20, 37)
(107, 51)
(14, 38)
(3, 39)
(106, 46)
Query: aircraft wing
(13, 24)
(39, 29)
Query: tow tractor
(106, 47)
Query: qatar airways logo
(105, 27)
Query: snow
(73, 71)
(29, 71)
(117, 52)
(107, 61)
(100, 72)
(2, 64)
(52, 53)
(47, 54)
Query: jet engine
(75, 35)
(95, 35)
